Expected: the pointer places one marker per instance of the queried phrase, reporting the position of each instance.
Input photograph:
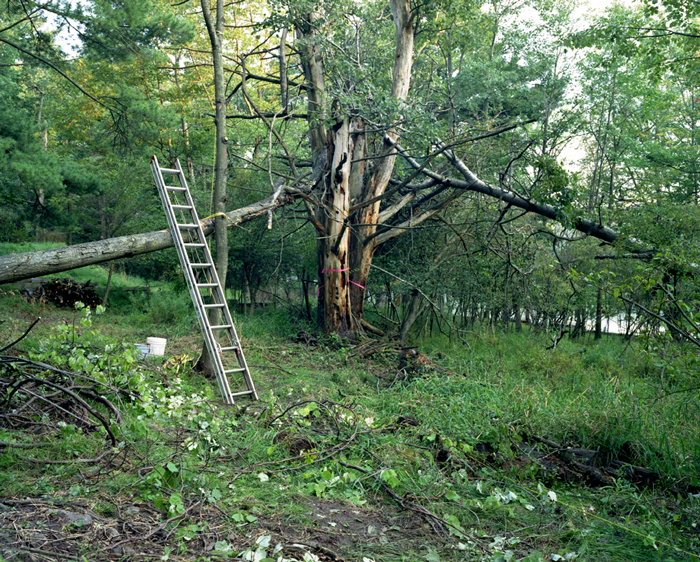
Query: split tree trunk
(349, 215)
(334, 261)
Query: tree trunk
(215, 29)
(15, 267)
(580, 325)
(350, 204)
(305, 285)
(109, 283)
(599, 315)
(414, 310)
(246, 293)
(334, 259)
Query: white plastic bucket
(142, 349)
(156, 346)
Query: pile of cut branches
(63, 292)
(40, 400)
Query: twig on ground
(24, 335)
(435, 522)
(72, 461)
(22, 445)
(48, 553)
(158, 529)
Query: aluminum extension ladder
(198, 268)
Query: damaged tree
(353, 198)
(349, 211)
(16, 267)
(356, 202)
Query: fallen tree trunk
(15, 267)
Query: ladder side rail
(240, 356)
(216, 290)
(219, 295)
(176, 234)
(215, 352)
(169, 214)
(189, 275)
(227, 319)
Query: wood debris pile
(573, 465)
(63, 292)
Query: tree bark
(15, 267)
(414, 309)
(334, 259)
(348, 216)
(599, 315)
(215, 29)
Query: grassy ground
(460, 452)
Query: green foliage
(555, 187)
(185, 449)
(124, 28)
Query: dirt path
(57, 529)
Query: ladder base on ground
(203, 282)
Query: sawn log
(15, 267)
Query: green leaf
(222, 546)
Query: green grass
(180, 445)
(23, 247)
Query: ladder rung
(192, 250)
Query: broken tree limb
(15, 267)
(38, 381)
(24, 335)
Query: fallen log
(587, 464)
(16, 267)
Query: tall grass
(594, 395)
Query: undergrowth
(437, 461)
